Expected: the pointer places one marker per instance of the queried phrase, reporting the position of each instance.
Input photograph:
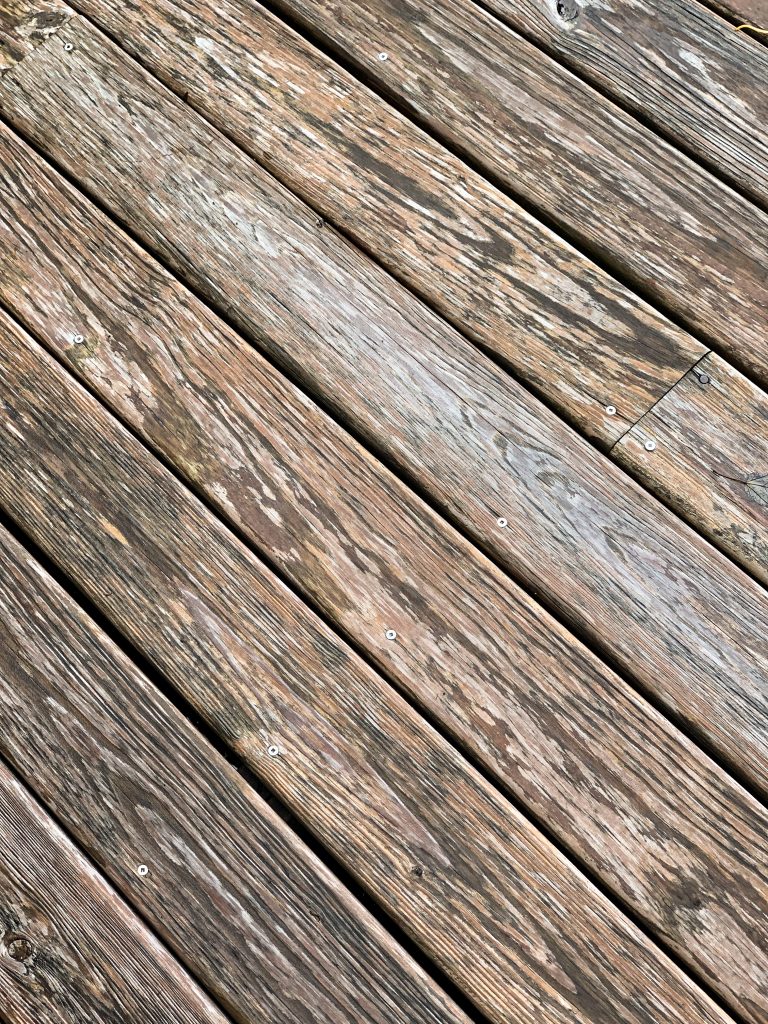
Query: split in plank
(680, 235)
(551, 723)
(676, 63)
(70, 950)
(675, 614)
(497, 907)
(270, 932)
(566, 328)
(710, 459)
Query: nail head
(273, 751)
(78, 339)
(501, 521)
(142, 870)
(68, 47)
(383, 56)
(650, 446)
(391, 634)
(611, 410)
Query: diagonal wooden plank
(673, 613)
(70, 950)
(496, 906)
(542, 715)
(752, 11)
(685, 239)
(710, 457)
(265, 926)
(566, 328)
(24, 24)
(675, 63)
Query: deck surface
(383, 512)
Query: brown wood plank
(497, 907)
(24, 24)
(253, 914)
(676, 64)
(688, 241)
(711, 458)
(567, 734)
(678, 616)
(567, 329)
(70, 950)
(751, 11)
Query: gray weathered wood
(688, 241)
(24, 24)
(678, 616)
(711, 458)
(753, 12)
(253, 914)
(496, 906)
(567, 329)
(70, 950)
(564, 734)
(675, 63)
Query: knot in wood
(19, 948)
(567, 10)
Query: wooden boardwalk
(383, 512)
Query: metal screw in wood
(142, 870)
(611, 410)
(68, 47)
(273, 751)
(391, 634)
(650, 446)
(78, 339)
(502, 522)
(383, 56)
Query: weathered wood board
(551, 723)
(24, 24)
(70, 949)
(710, 459)
(270, 932)
(752, 11)
(496, 906)
(675, 63)
(678, 617)
(684, 239)
(568, 330)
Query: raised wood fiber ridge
(496, 906)
(270, 932)
(675, 63)
(70, 950)
(567, 736)
(566, 328)
(688, 241)
(711, 458)
(677, 616)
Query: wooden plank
(677, 616)
(266, 927)
(567, 329)
(70, 950)
(676, 64)
(24, 24)
(497, 907)
(684, 239)
(711, 458)
(567, 734)
(753, 11)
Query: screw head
(77, 339)
(273, 751)
(142, 870)
(68, 47)
(650, 446)
(704, 378)
(502, 522)
(383, 56)
(391, 634)
(611, 410)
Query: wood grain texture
(567, 736)
(688, 241)
(266, 927)
(512, 922)
(675, 63)
(711, 458)
(24, 24)
(70, 950)
(752, 11)
(678, 616)
(564, 327)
